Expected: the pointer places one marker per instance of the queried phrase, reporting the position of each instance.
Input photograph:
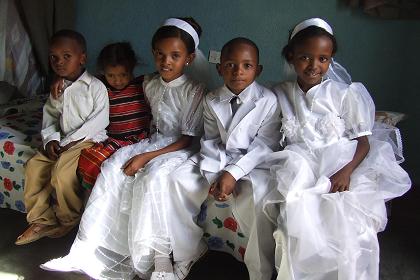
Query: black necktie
(235, 102)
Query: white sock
(163, 263)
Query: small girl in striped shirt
(129, 112)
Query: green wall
(383, 54)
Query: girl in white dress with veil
(124, 229)
(333, 177)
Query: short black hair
(303, 35)
(119, 53)
(169, 31)
(70, 34)
(237, 41)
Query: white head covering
(335, 72)
(184, 26)
(312, 22)
(199, 69)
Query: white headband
(312, 22)
(184, 26)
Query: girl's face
(67, 58)
(311, 60)
(118, 77)
(171, 56)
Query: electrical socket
(214, 56)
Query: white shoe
(181, 269)
(60, 265)
(162, 276)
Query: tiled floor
(400, 250)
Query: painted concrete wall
(383, 54)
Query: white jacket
(241, 143)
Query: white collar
(174, 83)
(226, 94)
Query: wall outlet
(214, 56)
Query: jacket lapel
(221, 106)
(243, 110)
(247, 106)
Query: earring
(187, 63)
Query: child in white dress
(231, 161)
(333, 177)
(124, 230)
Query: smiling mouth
(165, 69)
(312, 74)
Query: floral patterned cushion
(221, 230)
(19, 139)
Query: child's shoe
(181, 269)
(61, 265)
(162, 276)
(34, 232)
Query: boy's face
(311, 60)
(239, 67)
(67, 58)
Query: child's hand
(340, 181)
(52, 149)
(56, 88)
(133, 165)
(223, 186)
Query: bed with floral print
(221, 229)
(19, 139)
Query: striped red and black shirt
(129, 112)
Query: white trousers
(190, 189)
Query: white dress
(125, 219)
(331, 235)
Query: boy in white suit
(241, 127)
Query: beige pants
(43, 176)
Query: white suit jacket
(241, 143)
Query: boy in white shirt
(70, 123)
(241, 126)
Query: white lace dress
(125, 219)
(331, 235)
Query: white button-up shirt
(81, 112)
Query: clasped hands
(223, 186)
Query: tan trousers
(43, 176)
